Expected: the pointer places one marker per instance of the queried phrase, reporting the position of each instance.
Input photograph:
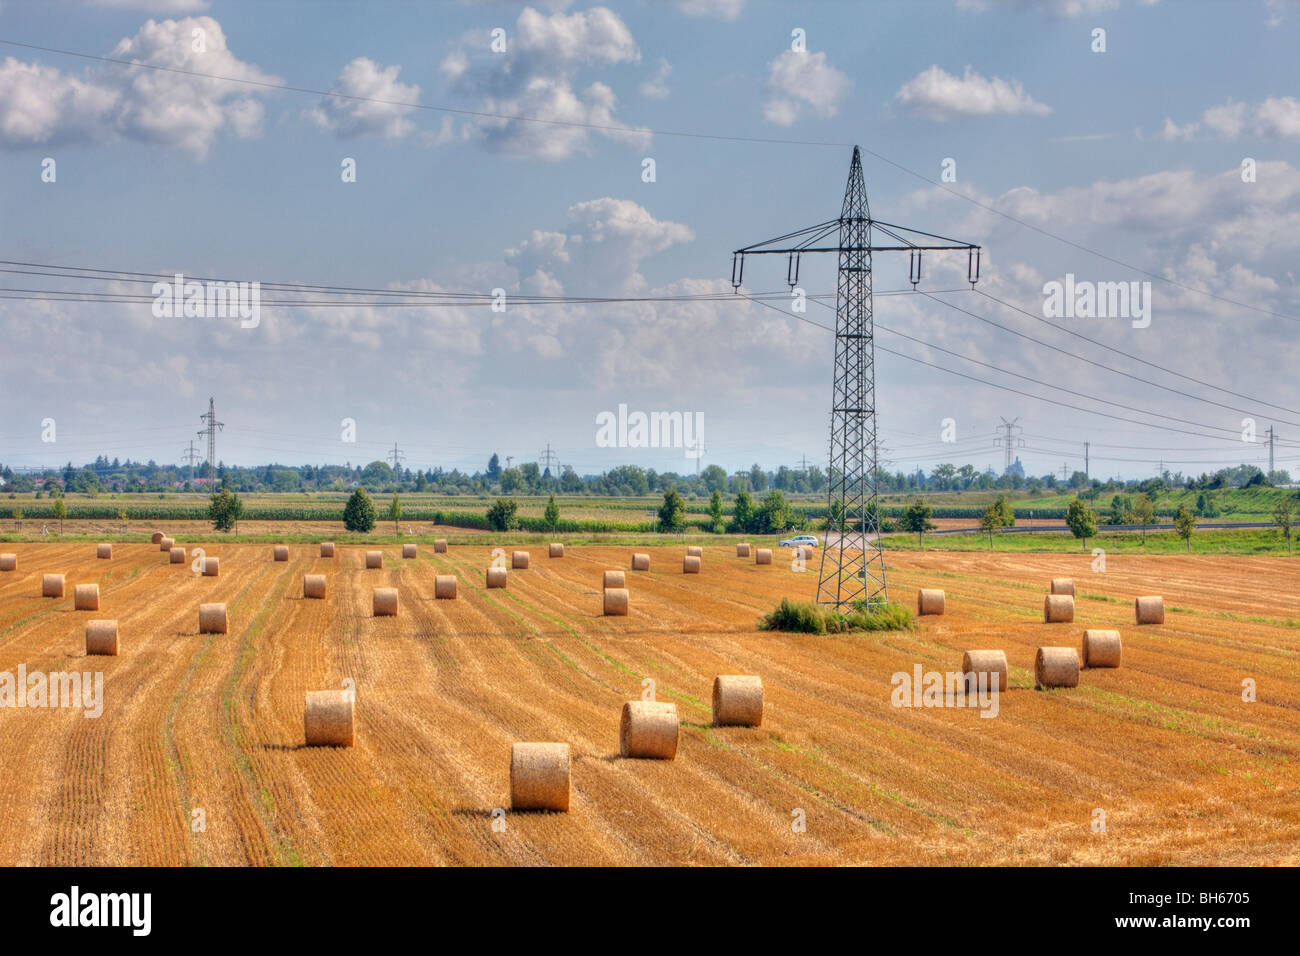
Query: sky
(1164, 151)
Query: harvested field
(1187, 772)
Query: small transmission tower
(854, 571)
(191, 456)
(1011, 440)
(212, 427)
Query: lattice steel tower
(853, 570)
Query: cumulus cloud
(656, 88)
(40, 105)
(938, 95)
(152, 6)
(717, 9)
(802, 81)
(375, 111)
(1061, 8)
(1276, 118)
(537, 78)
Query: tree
(121, 517)
(395, 513)
(1185, 522)
(757, 478)
(501, 516)
(359, 512)
(512, 480)
(715, 509)
(60, 512)
(1282, 518)
(990, 521)
(224, 510)
(773, 515)
(672, 513)
(742, 516)
(377, 474)
(714, 478)
(917, 518)
(835, 516)
(1144, 512)
(1005, 515)
(552, 514)
(494, 468)
(1082, 522)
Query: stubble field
(1186, 771)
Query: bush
(808, 618)
(501, 516)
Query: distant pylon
(212, 427)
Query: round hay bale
(695, 551)
(327, 549)
(616, 601)
(444, 587)
(1058, 609)
(1150, 609)
(742, 550)
(101, 638)
(737, 701)
(280, 552)
(640, 562)
(690, 564)
(313, 586)
(213, 619)
(990, 663)
(496, 577)
(648, 729)
(1056, 667)
(327, 718)
(519, 560)
(1062, 586)
(762, 555)
(804, 551)
(52, 585)
(555, 550)
(176, 556)
(166, 544)
(930, 601)
(1101, 648)
(211, 567)
(408, 551)
(103, 550)
(384, 602)
(614, 579)
(8, 562)
(156, 537)
(539, 777)
(440, 546)
(86, 597)
(374, 559)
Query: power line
(1128, 355)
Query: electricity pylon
(853, 572)
(212, 426)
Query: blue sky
(1134, 152)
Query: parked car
(799, 540)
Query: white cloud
(41, 105)
(938, 95)
(536, 79)
(152, 6)
(1276, 118)
(718, 9)
(799, 81)
(356, 117)
(656, 88)
(1060, 8)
